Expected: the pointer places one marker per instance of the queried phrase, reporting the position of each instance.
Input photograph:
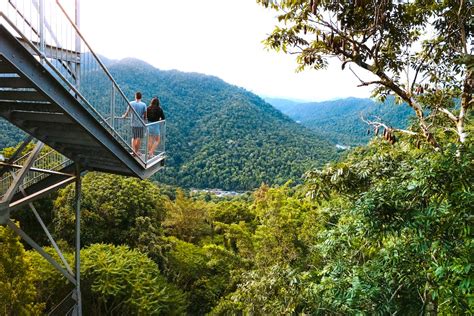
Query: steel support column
(78, 309)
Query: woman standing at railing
(155, 114)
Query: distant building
(217, 192)
(342, 147)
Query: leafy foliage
(403, 45)
(386, 223)
(114, 209)
(115, 280)
(17, 291)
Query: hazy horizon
(209, 37)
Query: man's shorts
(137, 132)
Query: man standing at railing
(138, 121)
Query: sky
(222, 38)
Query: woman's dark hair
(155, 102)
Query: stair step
(21, 95)
(51, 117)
(14, 82)
(6, 68)
(7, 107)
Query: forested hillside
(220, 135)
(9, 135)
(384, 230)
(340, 120)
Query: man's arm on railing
(126, 112)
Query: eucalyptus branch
(378, 124)
(451, 116)
(363, 83)
(395, 293)
(417, 70)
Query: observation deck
(56, 89)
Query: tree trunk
(466, 99)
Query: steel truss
(16, 195)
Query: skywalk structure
(56, 89)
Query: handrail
(77, 67)
(51, 160)
(94, 54)
(156, 122)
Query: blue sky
(215, 37)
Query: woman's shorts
(137, 132)
(154, 129)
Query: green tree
(114, 280)
(18, 295)
(114, 209)
(187, 219)
(396, 223)
(381, 225)
(204, 273)
(272, 284)
(405, 44)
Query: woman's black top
(155, 113)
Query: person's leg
(138, 144)
(156, 143)
(134, 139)
(150, 145)
(134, 146)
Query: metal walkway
(56, 89)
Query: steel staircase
(52, 87)
(56, 89)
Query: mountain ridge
(221, 135)
(340, 121)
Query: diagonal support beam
(43, 253)
(21, 174)
(7, 197)
(40, 193)
(16, 154)
(50, 237)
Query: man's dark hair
(138, 95)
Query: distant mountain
(282, 104)
(9, 135)
(340, 120)
(220, 135)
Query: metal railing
(46, 29)
(48, 160)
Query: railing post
(78, 241)
(41, 26)
(146, 143)
(78, 44)
(112, 107)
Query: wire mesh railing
(47, 30)
(48, 160)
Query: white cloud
(215, 37)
